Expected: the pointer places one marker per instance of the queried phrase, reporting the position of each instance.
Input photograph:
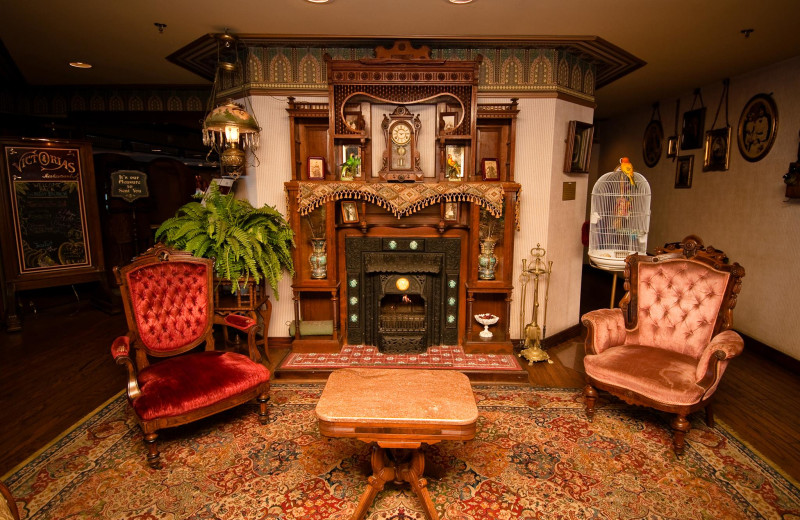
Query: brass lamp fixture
(228, 129)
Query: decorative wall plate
(758, 126)
(653, 143)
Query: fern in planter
(243, 241)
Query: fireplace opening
(402, 323)
(402, 292)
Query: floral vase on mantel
(318, 259)
(486, 260)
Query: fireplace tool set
(532, 333)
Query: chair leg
(153, 456)
(680, 427)
(709, 416)
(263, 402)
(589, 397)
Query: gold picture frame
(315, 168)
(672, 146)
(454, 162)
(717, 150)
(579, 147)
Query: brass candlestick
(533, 334)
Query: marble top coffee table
(398, 410)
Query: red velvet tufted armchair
(669, 344)
(167, 296)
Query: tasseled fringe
(308, 200)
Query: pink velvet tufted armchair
(167, 296)
(669, 344)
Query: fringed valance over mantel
(402, 199)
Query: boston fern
(243, 241)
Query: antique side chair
(669, 343)
(167, 296)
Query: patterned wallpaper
(506, 70)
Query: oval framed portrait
(758, 126)
(653, 143)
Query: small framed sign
(129, 185)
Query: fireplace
(402, 292)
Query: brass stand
(533, 334)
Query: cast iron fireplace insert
(402, 293)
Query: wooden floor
(59, 369)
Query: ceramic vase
(318, 259)
(486, 260)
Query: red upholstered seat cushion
(663, 375)
(182, 384)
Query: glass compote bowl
(486, 320)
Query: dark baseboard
(770, 353)
(281, 342)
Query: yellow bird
(454, 167)
(627, 168)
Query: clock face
(401, 133)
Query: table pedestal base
(398, 465)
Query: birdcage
(619, 220)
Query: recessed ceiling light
(80, 65)
(459, 1)
(318, 1)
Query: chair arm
(237, 321)
(724, 346)
(606, 328)
(120, 350)
(248, 325)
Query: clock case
(401, 157)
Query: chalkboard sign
(48, 206)
(50, 227)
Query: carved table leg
(381, 474)
(400, 467)
(412, 473)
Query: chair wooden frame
(723, 346)
(121, 350)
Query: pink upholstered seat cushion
(662, 375)
(182, 384)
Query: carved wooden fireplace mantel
(401, 261)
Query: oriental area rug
(442, 356)
(534, 457)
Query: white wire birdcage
(619, 220)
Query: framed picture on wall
(717, 150)
(450, 212)
(349, 212)
(693, 126)
(489, 169)
(652, 143)
(683, 171)
(672, 146)
(316, 168)
(579, 147)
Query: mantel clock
(401, 157)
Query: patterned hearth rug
(534, 457)
(444, 356)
